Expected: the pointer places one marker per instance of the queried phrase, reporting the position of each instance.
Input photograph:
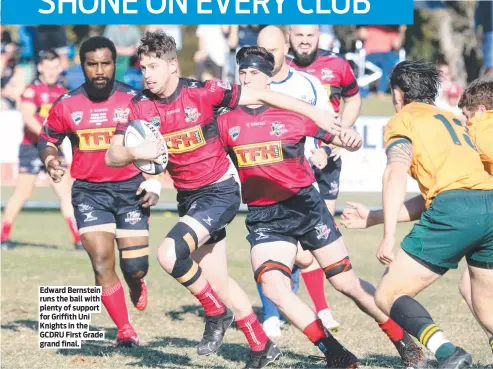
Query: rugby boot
(140, 300)
(8, 245)
(127, 337)
(260, 359)
(78, 246)
(411, 354)
(459, 359)
(336, 355)
(215, 328)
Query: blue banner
(207, 12)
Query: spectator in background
(327, 37)
(12, 76)
(73, 76)
(449, 92)
(53, 37)
(126, 38)
(133, 75)
(381, 44)
(212, 51)
(483, 18)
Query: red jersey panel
(334, 72)
(90, 126)
(267, 147)
(42, 96)
(186, 119)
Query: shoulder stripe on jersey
(404, 140)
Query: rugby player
(36, 102)
(109, 203)
(456, 210)
(307, 88)
(284, 209)
(208, 195)
(338, 78)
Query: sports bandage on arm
(152, 185)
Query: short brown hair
(479, 92)
(158, 43)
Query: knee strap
(337, 268)
(185, 270)
(135, 259)
(186, 240)
(271, 265)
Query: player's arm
(323, 119)
(28, 110)
(399, 158)
(350, 96)
(52, 135)
(358, 216)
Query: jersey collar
(174, 95)
(256, 111)
(290, 74)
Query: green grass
(172, 325)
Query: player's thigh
(404, 276)
(304, 259)
(481, 288)
(210, 209)
(63, 189)
(24, 184)
(212, 259)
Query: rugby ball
(139, 131)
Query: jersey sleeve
(130, 113)
(29, 94)
(222, 124)
(398, 128)
(222, 95)
(312, 130)
(349, 84)
(55, 127)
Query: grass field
(172, 325)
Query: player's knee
(166, 255)
(180, 242)
(102, 264)
(134, 261)
(275, 278)
(384, 300)
(304, 259)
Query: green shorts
(458, 223)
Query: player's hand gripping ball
(139, 131)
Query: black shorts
(328, 179)
(29, 161)
(214, 206)
(302, 218)
(110, 202)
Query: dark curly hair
(158, 44)
(94, 43)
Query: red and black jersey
(186, 119)
(334, 72)
(90, 125)
(42, 96)
(267, 147)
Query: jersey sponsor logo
(185, 140)
(191, 115)
(45, 97)
(95, 139)
(76, 117)
(259, 154)
(44, 110)
(277, 129)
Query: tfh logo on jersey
(185, 140)
(277, 129)
(259, 154)
(191, 115)
(95, 139)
